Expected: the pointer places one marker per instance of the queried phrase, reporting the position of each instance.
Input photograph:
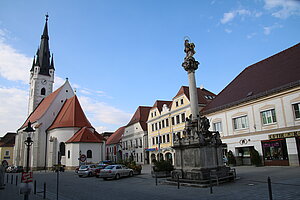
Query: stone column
(193, 95)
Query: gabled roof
(116, 137)
(159, 104)
(202, 93)
(276, 73)
(42, 107)
(141, 116)
(71, 115)
(85, 135)
(8, 140)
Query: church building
(58, 120)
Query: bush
(163, 165)
(231, 158)
(255, 158)
(132, 165)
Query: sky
(121, 54)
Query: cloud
(228, 30)
(283, 8)
(100, 112)
(268, 29)
(251, 35)
(13, 108)
(14, 66)
(227, 17)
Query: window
(163, 123)
(69, 153)
(164, 139)
(141, 143)
(268, 116)
(152, 127)
(89, 154)
(159, 125)
(156, 140)
(43, 91)
(297, 110)
(217, 126)
(181, 101)
(177, 119)
(240, 122)
(173, 121)
(62, 149)
(141, 157)
(154, 113)
(151, 114)
(168, 138)
(153, 141)
(176, 103)
(155, 126)
(167, 122)
(6, 153)
(183, 117)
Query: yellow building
(167, 119)
(7, 148)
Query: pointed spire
(45, 33)
(33, 64)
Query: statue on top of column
(189, 49)
(189, 64)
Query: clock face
(44, 82)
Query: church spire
(43, 54)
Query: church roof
(140, 115)
(42, 107)
(116, 137)
(85, 135)
(204, 96)
(71, 115)
(274, 74)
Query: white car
(115, 171)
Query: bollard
(270, 188)
(34, 187)
(12, 178)
(178, 184)
(210, 185)
(155, 178)
(17, 180)
(44, 196)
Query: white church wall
(96, 151)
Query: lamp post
(28, 142)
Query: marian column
(191, 65)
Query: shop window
(275, 149)
(217, 126)
(89, 154)
(297, 110)
(240, 122)
(268, 116)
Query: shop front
(275, 152)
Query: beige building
(259, 110)
(7, 143)
(167, 118)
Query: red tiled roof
(273, 74)
(201, 94)
(159, 104)
(140, 115)
(41, 108)
(71, 115)
(85, 135)
(8, 140)
(116, 137)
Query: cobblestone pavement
(252, 184)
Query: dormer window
(181, 101)
(176, 103)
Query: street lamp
(28, 142)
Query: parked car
(99, 168)
(76, 170)
(86, 170)
(115, 171)
(106, 162)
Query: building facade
(135, 137)
(7, 143)
(114, 146)
(167, 119)
(259, 110)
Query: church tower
(41, 73)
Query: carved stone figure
(189, 49)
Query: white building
(135, 137)
(259, 110)
(58, 119)
(114, 145)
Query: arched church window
(43, 91)
(89, 154)
(62, 149)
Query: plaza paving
(252, 184)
